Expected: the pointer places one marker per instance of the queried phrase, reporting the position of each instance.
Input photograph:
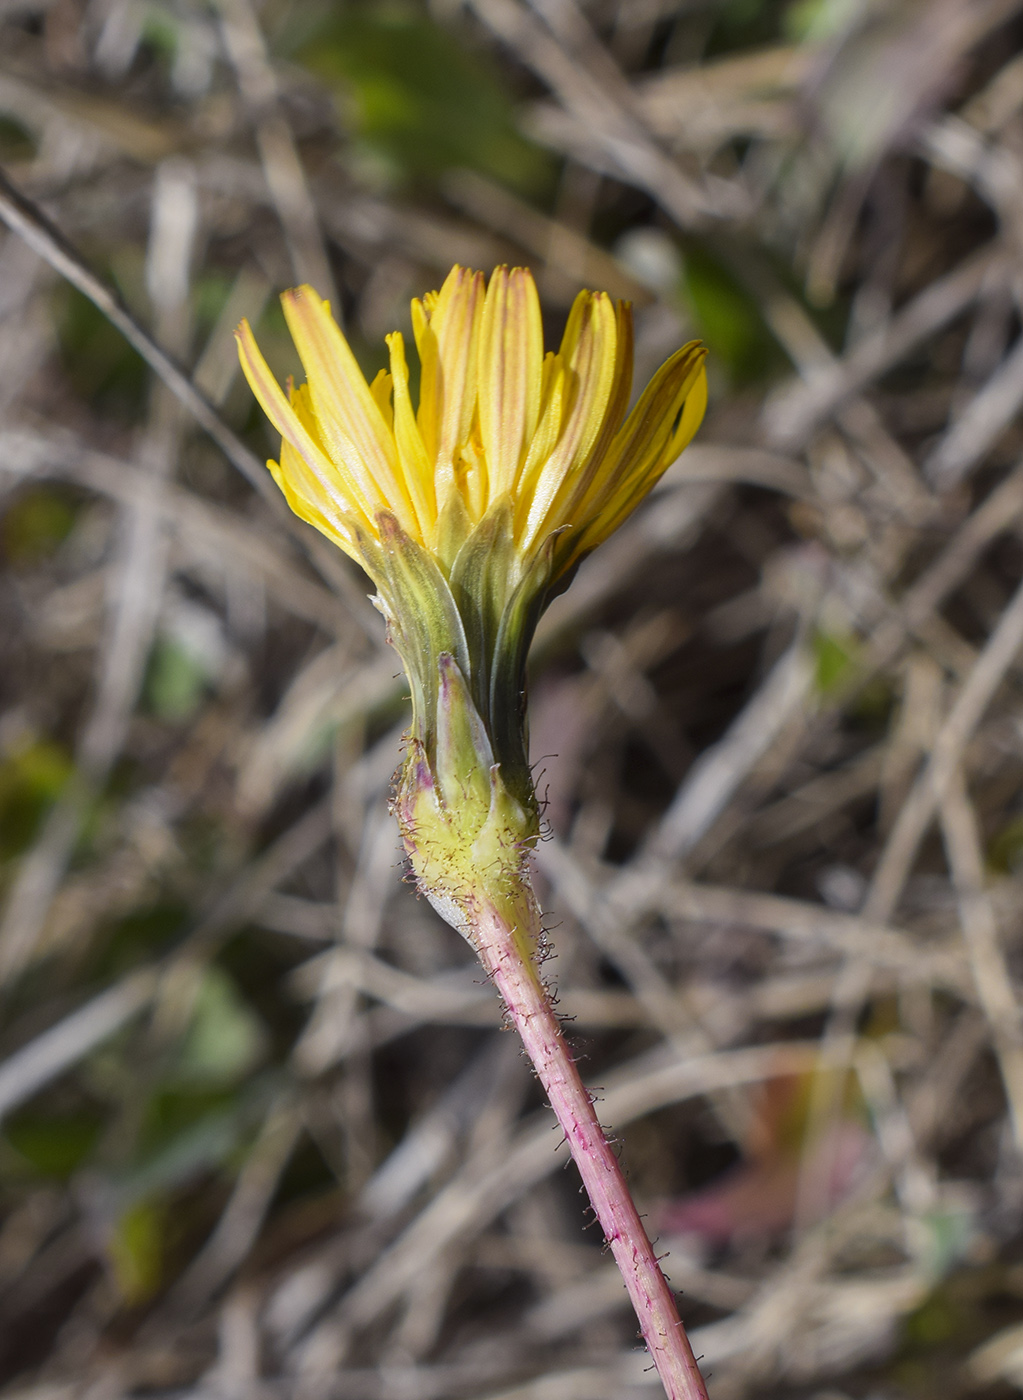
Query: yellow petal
(471, 473)
(295, 426)
(646, 445)
(589, 353)
(651, 451)
(429, 370)
(333, 496)
(510, 372)
(446, 326)
(381, 391)
(621, 389)
(552, 413)
(690, 418)
(273, 401)
(350, 423)
(415, 465)
(306, 497)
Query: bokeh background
(262, 1132)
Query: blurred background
(261, 1132)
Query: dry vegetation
(262, 1132)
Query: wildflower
(469, 514)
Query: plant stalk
(514, 974)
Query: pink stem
(529, 1006)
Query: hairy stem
(500, 948)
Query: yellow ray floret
(497, 421)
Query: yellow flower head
(468, 514)
(500, 426)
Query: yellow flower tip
(305, 294)
(496, 419)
